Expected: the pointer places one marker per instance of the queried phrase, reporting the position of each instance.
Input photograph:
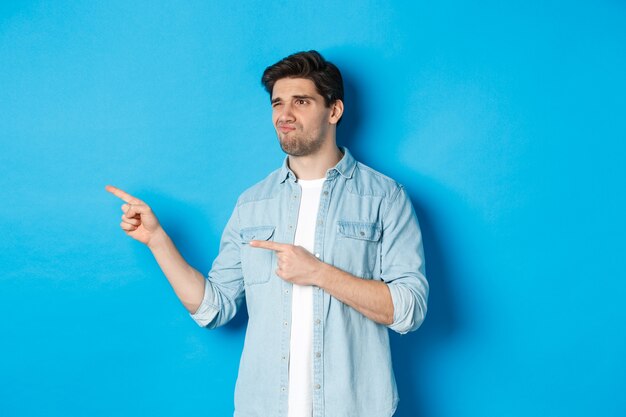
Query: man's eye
(301, 101)
(276, 104)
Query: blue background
(506, 121)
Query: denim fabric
(366, 225)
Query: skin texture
(306, 130)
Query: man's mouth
(286, 128)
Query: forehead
(288, 87)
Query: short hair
(310, 65)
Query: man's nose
(286, 113)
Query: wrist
(321, 274)
(158, 239)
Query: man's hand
(140, 223)
(295, 264)
(138, 220)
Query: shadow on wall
(411, 351)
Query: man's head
(306, 92)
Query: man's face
(301, 119)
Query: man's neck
(314, 166)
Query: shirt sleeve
(402, 263)
(223, 289)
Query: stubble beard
(296, 145)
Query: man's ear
(336, 110)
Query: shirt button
(325, 192)
(317, 321)
(285, 323)
(317, 255)
(286, 291)
(318, 354)
(318, 386)
(362, 233)
(282, 389)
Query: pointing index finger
(278, 247)
(122, 194)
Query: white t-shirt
(301, 342)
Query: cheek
(322, 124)
(323, 118)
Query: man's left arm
(370, 298)
(402, 263)
(399, 300)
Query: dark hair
(310, 65)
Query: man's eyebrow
(298, 97)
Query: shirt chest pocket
(256, 263)
(357, 247)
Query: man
(327, 254)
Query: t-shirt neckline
(311, 183)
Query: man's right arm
(187, 282)
(211, 302)
(140, 223)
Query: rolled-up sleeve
(402, 263)
(223, 289)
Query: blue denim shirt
(366, 226)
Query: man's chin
(292, 151)
(289, 146)
(294, 146)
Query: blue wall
(506, 121)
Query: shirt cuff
(404, 305)
(207, 311)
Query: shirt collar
(344, 167)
